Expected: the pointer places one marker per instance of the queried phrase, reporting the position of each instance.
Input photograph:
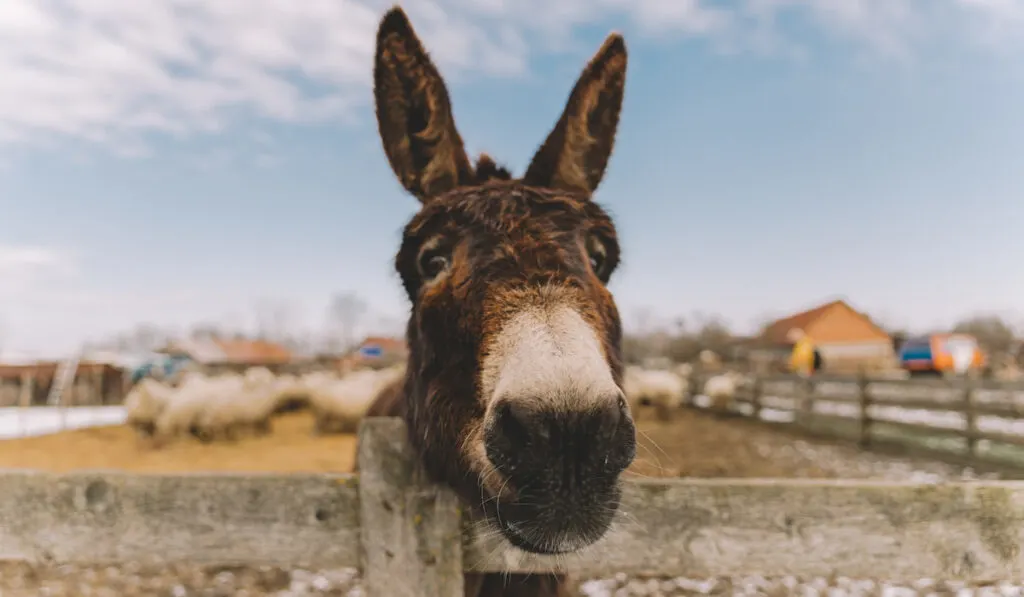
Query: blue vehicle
(938, 354)
(164, 366)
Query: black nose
(563, 444)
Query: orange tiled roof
(388, 344)
(254, 351)
(775, 332)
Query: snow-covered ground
(41, 420)
(777, 406)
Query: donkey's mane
(487, 169)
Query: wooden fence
(411, 539)
(877, 412)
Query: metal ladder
(64, 377)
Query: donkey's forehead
(505, 207)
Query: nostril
(623, 447)
(509, 431)
(513, 423)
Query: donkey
(513, 390)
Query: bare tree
(207, 331)
(993, 333)
(344, 312)
(144, 337)
(711, 333)
(714, 334)
(275, 320)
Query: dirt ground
(693, 444)
(291, 447)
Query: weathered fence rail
(410, 538)
(981, 412)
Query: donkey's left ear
(576, 152)
(414, 113)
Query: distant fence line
(411, 538)
(975, 419)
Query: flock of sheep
(227, 406)
(667, 390)
(230, 405)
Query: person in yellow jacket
(801, 361)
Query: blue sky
(176, 161)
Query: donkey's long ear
(414, 114)
(575, 154)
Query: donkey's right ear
(414, 114)
(576, 152)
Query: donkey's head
(514, 381)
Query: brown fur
(510, 243)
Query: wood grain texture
(852, 528)
(696, 527)
(411, 530)
(106, 517)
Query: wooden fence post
(26, 389)
(864, 398)
(970, 419)
(755, 397)
(695, 386)
(410, 530)
(97, 397)
(803, 413)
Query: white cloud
(15, 259)
(111, 71)
(23, 268)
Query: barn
(222, 354)
(374, 352)
(97, 382)
(847, 338)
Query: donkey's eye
(432, 263)
(598, 255)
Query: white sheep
(709, 360)
(256, 377)
(144, 403)
(665, 390)
(292, 394)
(188, 407)
(222, 406)
(339, 404)
(238, 404)
(721, 389)
(182, 413)
(235, 410)
(684, 370)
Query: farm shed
(376, 351)
(222, 354)
(27, 384)
(847, 339)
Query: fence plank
(411, 545)
(411, 531)
(857, 529)
(107, 517)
